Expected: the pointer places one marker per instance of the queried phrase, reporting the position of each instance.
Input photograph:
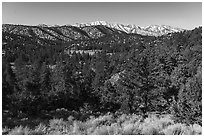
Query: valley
(71, 79)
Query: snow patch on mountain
(152, 30)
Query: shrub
(75, 128)
(41, 129)
(20, 131)
(194, 129)
(176, 129)
(108, 125)
(154, 125)
(101, 131)
(56, 125)
(150, 127)
(5, 130)
(129, 129)
(114, 129)
(165, 121)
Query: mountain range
(152, 30)
(86, 30)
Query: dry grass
(108, 125)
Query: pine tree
(137, 84)
(188, 108)
(45, 79)
(9, 85)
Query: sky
(187, 15)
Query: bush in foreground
(111, 125)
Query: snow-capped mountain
(152, 30)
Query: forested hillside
(95, 70)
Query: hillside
(81, 35)
(84, 71)
(94, 30)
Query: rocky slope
(80, 35)
(93, 30)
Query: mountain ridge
(151, 30)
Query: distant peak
(151, 30)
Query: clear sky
(187, 15)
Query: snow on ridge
(153, 30)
